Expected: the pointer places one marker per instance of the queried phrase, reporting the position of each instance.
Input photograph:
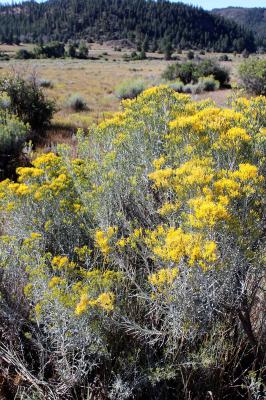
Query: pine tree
(71, 51)
(168, 49)
(83, 50)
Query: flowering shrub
(133, 260)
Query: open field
(95, 80)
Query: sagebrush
(133, 269)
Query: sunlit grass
(96, 79)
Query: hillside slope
(158, 21)
(251, 18)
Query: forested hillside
(251, 18)
(156, 21)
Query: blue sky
(209, 4)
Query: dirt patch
(221, 97)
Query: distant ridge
(137, 20)
(253, 19)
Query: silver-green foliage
(76, 102)
(13, 133)
(253, 76)
(130, 89)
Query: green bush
(83, 50)
(210, 67)
(191, 72)
(24, 54)
(193, 88)
(245, 53)
(134, 56)
(208, 83)
(46, 83)
(189, 88)
(13, 134)
(72, 49)
(190, 55)
(252, 74)
(130, 89)
(177, 86)
(50, 50)
(184, 72)
(168, 50)
(170, 72)
(5, 102)
(224, 57)
(77, 103)
(4, 56)
(27, 101)
(126, 57)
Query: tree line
(156, 22)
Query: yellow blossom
(161, 177)
(54, 282)
(164, 276)
(45, 160)
(246, 172)
(158, 163)
(102, 239)
(62, 262)
(82, 305)
(206, 212)
(232, 139)
(28, 172)
(106, 301)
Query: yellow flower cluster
(195, 172)
(62, 262)
(227, 187)
(83, 252)
(175, 245)
(206, 212)
(105, 301)
(47, 160)
(192, 170)
(118, 120)
(131, 240)
(246, 172)
(164, 277)
(100, 279)
(33, 237)
(28, 172)
(47, 178)
(161, 177)
(232, 139)
(20, 189)
(208, 119)
(56, 280)
(102, 239)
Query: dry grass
(95, 80)
(12, 49)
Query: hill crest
(137, 20)
(252, 18)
